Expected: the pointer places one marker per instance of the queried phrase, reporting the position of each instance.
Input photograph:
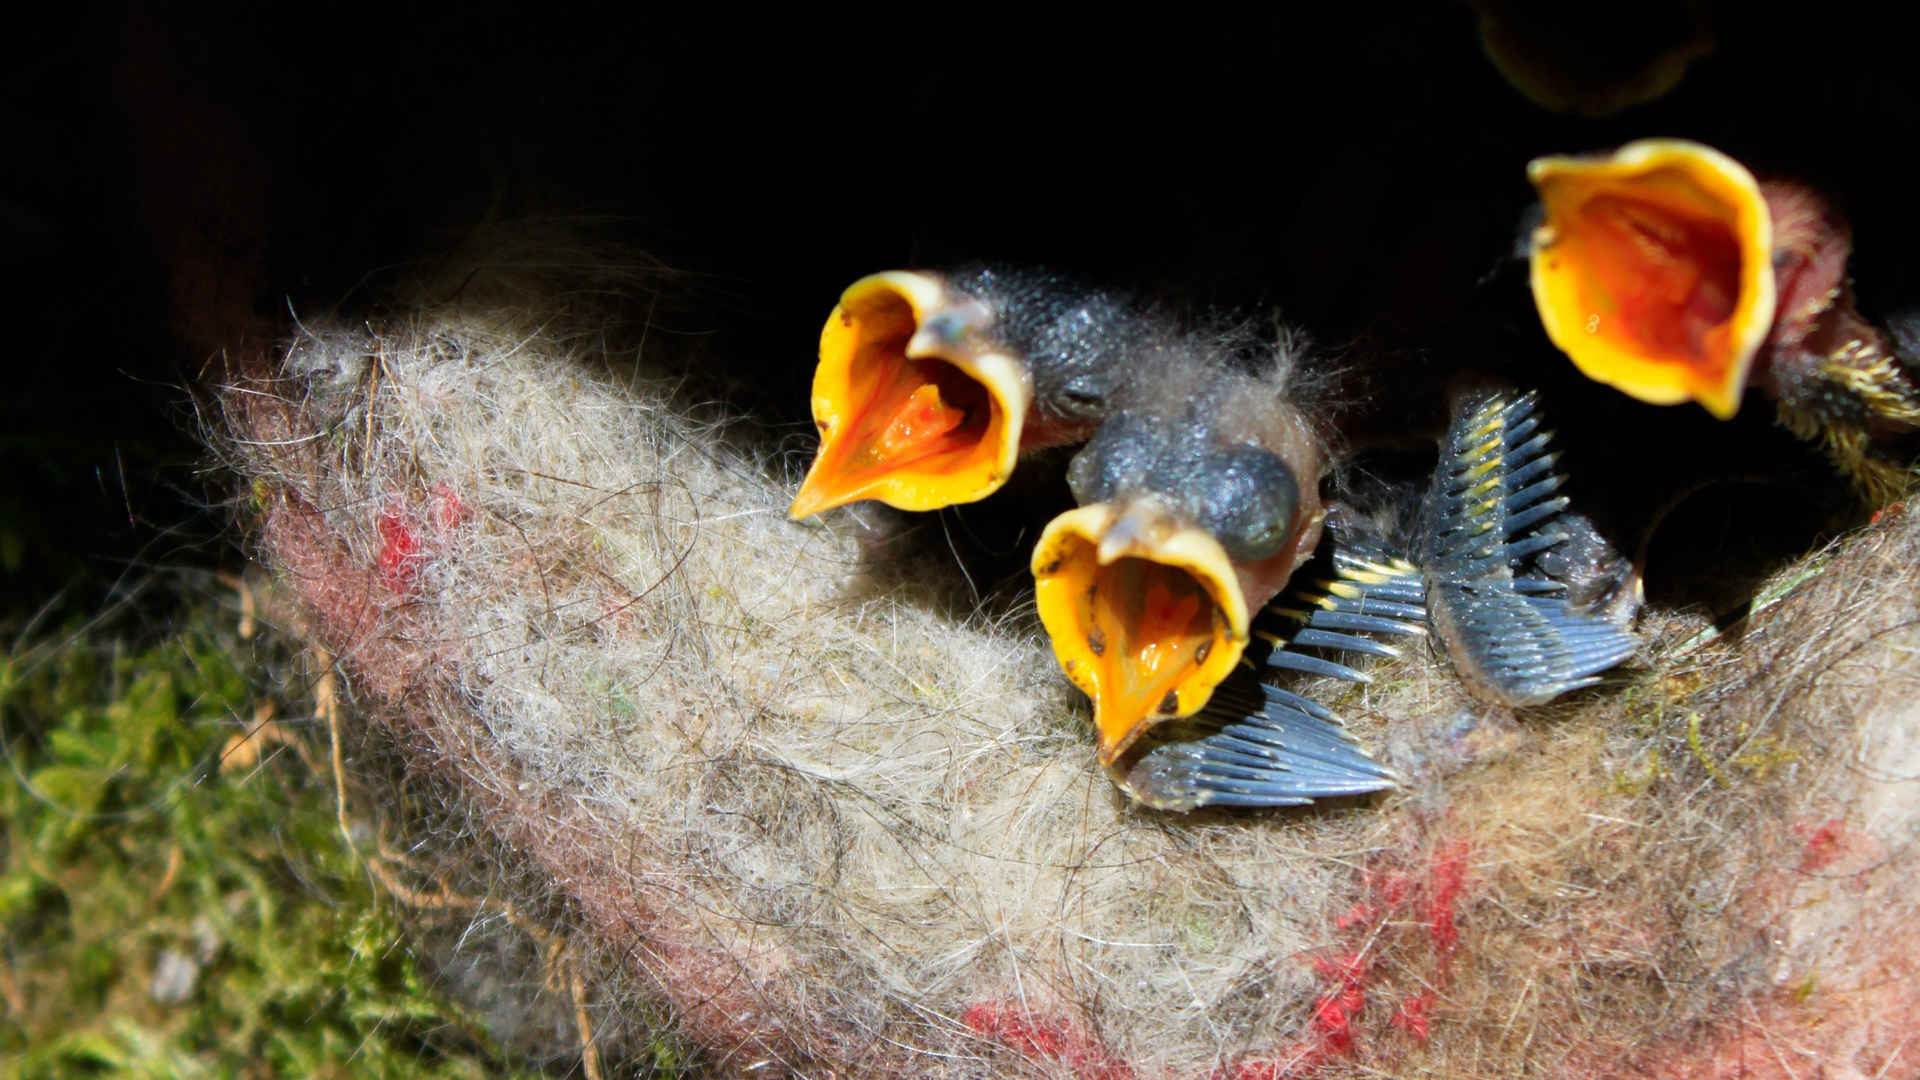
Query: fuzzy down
(843, 821)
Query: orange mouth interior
(1157, 623)
(915, 413)
(916, 432)
(1136, 636)
(1671, 281)
(1653, 271)
(1658, 281)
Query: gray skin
(1221, 449)
(1173, 412)
(1076, 342)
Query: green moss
(1636, 782)
(1698, 746)
(1767, 754)
(166, 916)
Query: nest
(841, 819)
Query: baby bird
(930, 385)
(1667, 270)
(1198, 497)
(1512, 585)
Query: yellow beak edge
(1146, 615)
(917, 406)
(1653, 269)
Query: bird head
(918, 405)
(1192, 515)
(1652, 269)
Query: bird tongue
(918, 414)
(918, 428)
(1152, 627)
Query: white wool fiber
(848, 823)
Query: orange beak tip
(808, 503)
(917, 407)
(1145, 616)
(825, 487)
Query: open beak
(917, 406)
(1653, 269)
(1146, 613)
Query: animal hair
(839, 822)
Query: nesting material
(847, 824)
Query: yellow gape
(1146, 615)
(916, 407)
(1653, 269)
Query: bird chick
(930, 385)
(1197, 498)
(1652, 269)
(1668, 271)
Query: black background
(1360, 166)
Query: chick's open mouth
(1147, 634)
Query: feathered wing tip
(1513, 639)
(1259, 745)
(1253, 746)
(1861, 406)
(1360, 585)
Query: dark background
(1360, 166)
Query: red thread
(1334, 1022)
(1403, 906)
(1334, 1012)
(1054, 1039)
(1344, 968)
(1824, 843)
(1449, 868)
(1411, 1016)
(399, 551)
(449, 510)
